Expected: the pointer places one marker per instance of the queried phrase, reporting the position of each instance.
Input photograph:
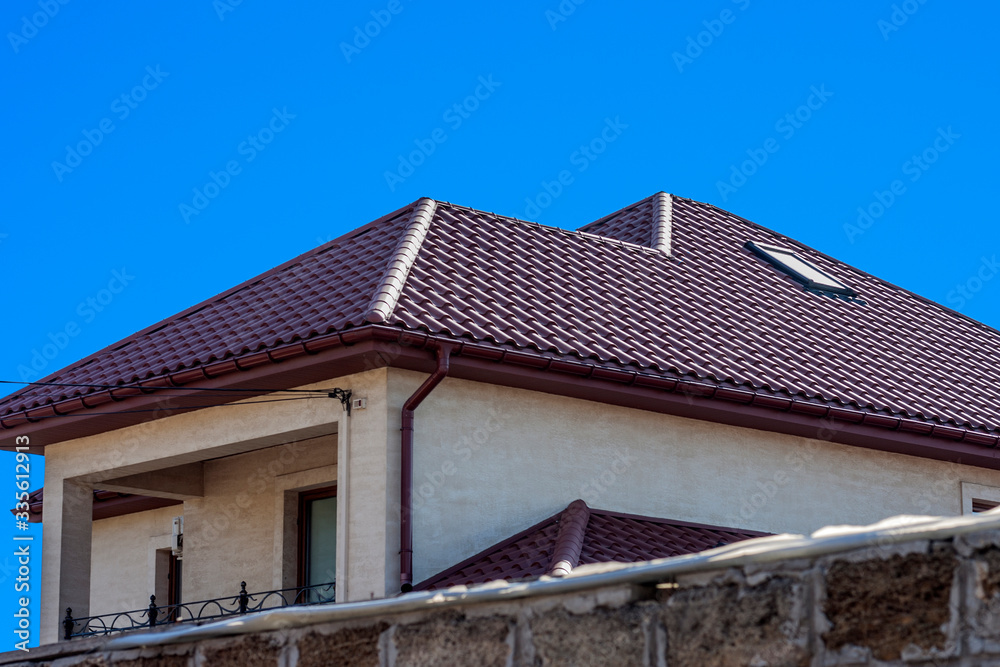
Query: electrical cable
(134, 385)
(179, 407)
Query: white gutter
(829, 540)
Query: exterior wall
(122, 558)
(490, 461)
(238, 532)
(239, 521)
(230, 534)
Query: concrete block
(733, 626)
(350, 647)
(982, 602)
(454, 640)
(903, 606)
(601, 637)
(155, 661)
(244, 651)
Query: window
(978, 498)
(318, 539)
(980, 505)
(802, 271)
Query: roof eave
(363, 349)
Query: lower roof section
(579, 535)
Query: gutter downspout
(406, 456)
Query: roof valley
(386, 296)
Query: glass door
(318, 544)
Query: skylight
(799, 269)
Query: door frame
(304, 520)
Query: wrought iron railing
(200, 611)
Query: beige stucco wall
(241, 529)
(249, 470)
(121, 558)
(230, 533)
(490, 461)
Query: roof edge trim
(386, 296)
(629, 388)
(662, 221)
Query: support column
(66, 533)
(343, 507)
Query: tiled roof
(709, 310)
(580, 535)
(323, 290)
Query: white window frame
(286, 533)
(972, 492)
(820, 281)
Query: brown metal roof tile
(579, 535)
(711, 310)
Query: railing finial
(68, 624)
(153, 611)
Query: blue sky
(158, 154)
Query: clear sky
(158, 153)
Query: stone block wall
(917, 604)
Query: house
(387, 408)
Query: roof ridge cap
(662, 222)
(386, 296)
(569, 540)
